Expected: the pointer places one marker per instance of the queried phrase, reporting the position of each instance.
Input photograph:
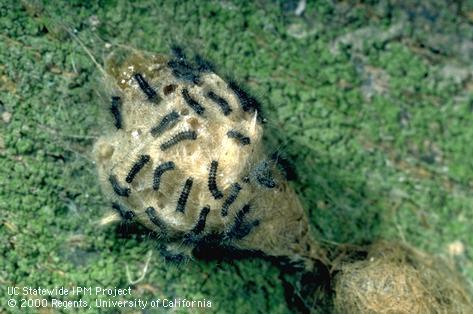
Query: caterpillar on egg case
(185, 157)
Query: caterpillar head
(185, 160)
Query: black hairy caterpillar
(145, 87)
(240, 229)
(158, 172)
(221, 102)
(263, 175)
(200, 225)
(248, 103)
(235, 190)
(184, 71)
(115, 109)
(191, 102)
(166, 122)
(193, 236)
(244, 140)
(125, 213)
(179, 137)
(144, 159)
(181, 202)
(151, 212)
(181, 68)
(120, 191)
(212, 182)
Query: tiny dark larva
(181, 202)
(244, 140)
(148, 90)
(159, 171)
(120, 191)
(115, 109)
(247, 102)
(166, 122)
(182, 70)
(144, 159)
(200, 225)
(151, 212)
(179, 137)
(125, 213)
(240, 229)
(235, 190)
(221, 102)
(191, 102)
(212, 182)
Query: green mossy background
(372, 101)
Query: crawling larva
(221, 102)
(179, 137)
(159, 171)
(232, 196)
(166, 122)
(244, 140)
(191, 102)
(117, 188)
(125, 213)
(137, 166)
(212, 183)
(145, 87)
(181, 202)
(209, 129)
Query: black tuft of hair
(203, 65)
(285, 165)
(178, 52)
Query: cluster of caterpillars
(190, 73)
